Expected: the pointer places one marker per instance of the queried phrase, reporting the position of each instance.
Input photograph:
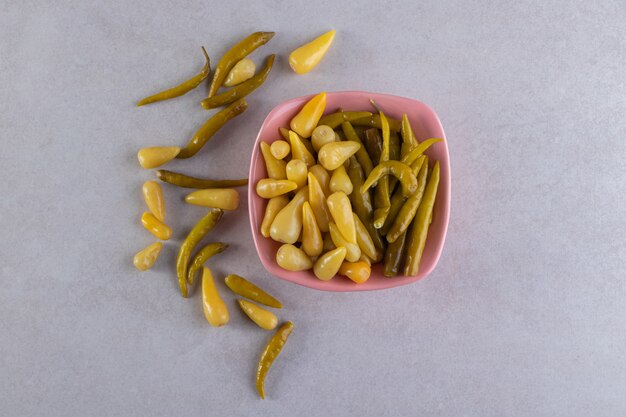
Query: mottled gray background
(524, 316)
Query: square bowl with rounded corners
(425, 124)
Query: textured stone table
(524, 316)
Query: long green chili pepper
(418, 150)
(407, 212)
(270, 353)
(335, 119)
(408, 137)
(200, 230)
(394, 155)
(362, 203)
(382, 204)
(374, 144)
(202, 256)
(241, 286)
(186, 181)
(396, 168)
(361, 155)
(236, 54)
(419, 233)
(182, 88)
(240, 90)
(374, 121)
(394, 256)
(210, 127)
(397, 201)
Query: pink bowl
(425, 124)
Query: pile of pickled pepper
(357, 190)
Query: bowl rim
(314, 284)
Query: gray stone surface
(524, 316)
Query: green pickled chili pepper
(362, 203)
(185, 181)
(243, 287)
(419, 233)
(210, 127)
(183, 88)
(382, 201)
(394, 146)
(374, 144)
(397, 201)
(333, 120)
(236, 54)
(241, 90)
(396, 168)
(374, 121)
(394, 256)
(270, 353)
(202, 256)
(361, 155)
(200, 230)
(419, 150)
(407, 212)
(408, 137)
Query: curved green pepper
(396, 168)
(419, 150)
(236, 54)
(408, 137)
(361, 155)
(408, 210)
(382, 203)
(206, 224)
(183, 88)
(186, 181)
(210, 127)
(374, 121)
(335, 119)
(241, 90)
(202, 256)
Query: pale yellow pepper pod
(156, 156)
(358, 272)
(280, 149)
(287, 224)
(145, 258)
(222, 198)
(299, 151)
(297, 172)
(306, 57)
(332, 155)
(292, 258)
(153, 195)
(242, 71)
(275, 205)
(305, 121)
(269, 188)
(353, 251)
(317, 199)
(327, 266)
(340, 181)
(341, 212)
(312, 242)
(323, 177)
(263, 318)
(155, 226)
(275, 167)
(321, 136)
(364, 240)
(215, 310)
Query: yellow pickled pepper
(156, 156)
(215, 310)
(299, 151)
(270, 188)
(275, 167)
(317, 199)
(145, 258)
(297, 172)
(323, 177)
(274, 205)
(306, 120)
(153, 195)
(292, 258)
(306, 57)
(353, 251)
(329, 263)
(312, 242)
(332, 155)
(340, 181)
(155, 226)
(341, 211)
(287, 224)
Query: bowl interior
(425, 124)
